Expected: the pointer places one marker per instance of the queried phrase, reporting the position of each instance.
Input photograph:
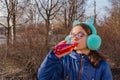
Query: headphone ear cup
(94, 42)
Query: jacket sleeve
(51, 68)
(106, 74)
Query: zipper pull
(83, 56)
(92, 79)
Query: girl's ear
(90, 21)
(75, 22)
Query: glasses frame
(79, 35)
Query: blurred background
(29, 29)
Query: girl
(81, 63)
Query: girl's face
(79, 35)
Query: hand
(62, 48)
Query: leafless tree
(71, 10)
(10, 7)
(48, 9)
(112, 31)
(8, 20)
(114, 19)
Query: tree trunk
(14, 28)
(95, 12)
(47, 34)
(8, 36)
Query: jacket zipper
(67, 77)
(81, 67)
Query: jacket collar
(75, 55)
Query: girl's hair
(94, 56)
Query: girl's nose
(75, 39)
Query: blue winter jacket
(72, 67)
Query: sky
(100, 7)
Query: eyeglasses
(79, 35)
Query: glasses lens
(78, 35)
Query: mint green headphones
(93, 40)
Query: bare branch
(55, 12)
(3, 25)
(42, 5)
(40, 11)
(54, 6)
(81, 14)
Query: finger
(62, 42)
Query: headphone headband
(89, 22)
(92, 27)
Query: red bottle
(63, 49)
